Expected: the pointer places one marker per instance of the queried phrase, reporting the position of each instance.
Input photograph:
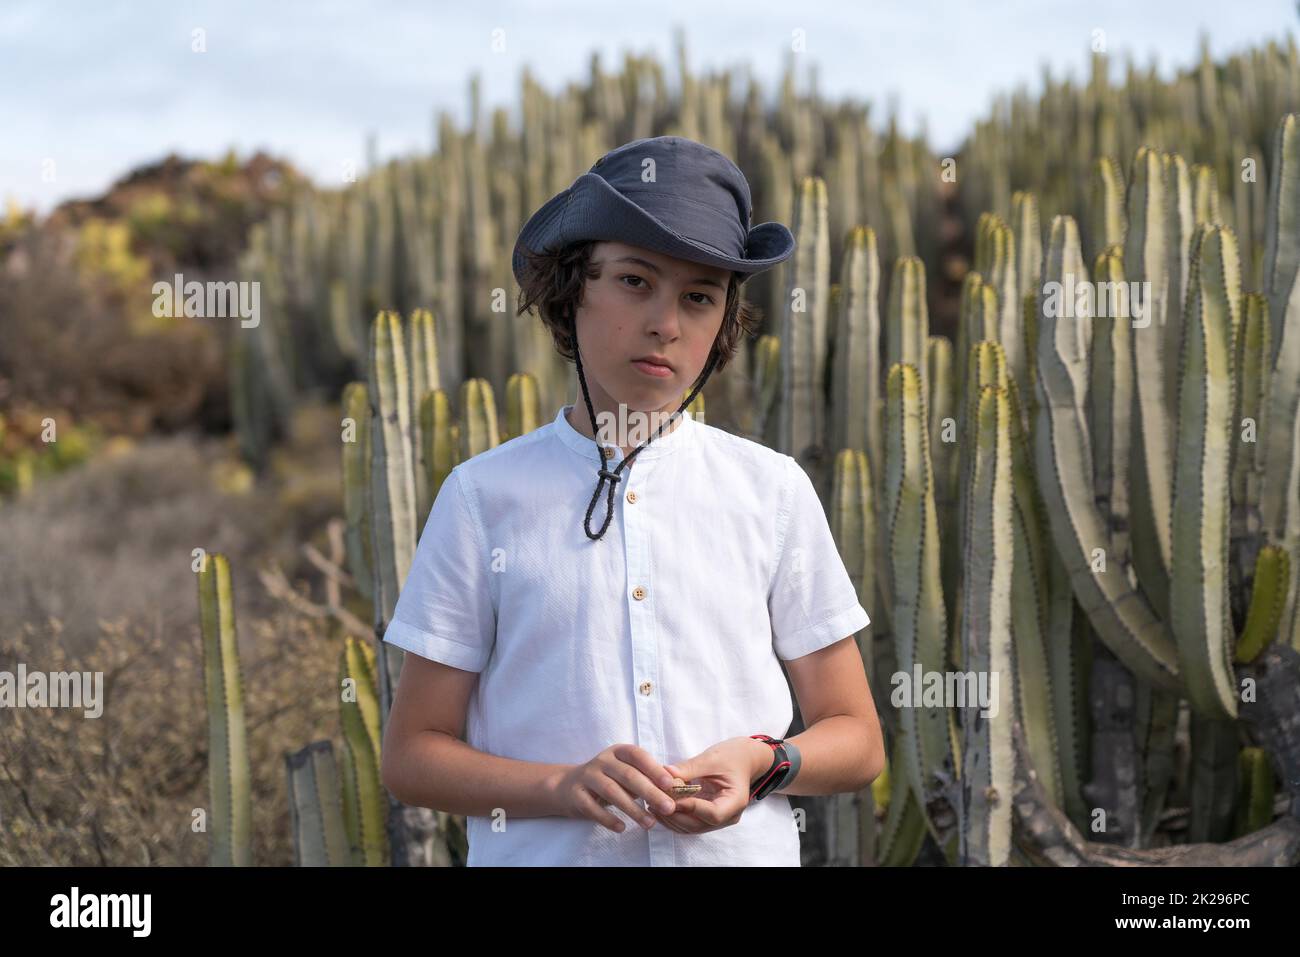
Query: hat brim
(591, 209)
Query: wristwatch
(785, 765)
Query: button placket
(645, 652)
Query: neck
(577, 417)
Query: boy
(602, 646)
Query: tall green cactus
(1200, 615)
(1028, 231)
(422, 367)
(392, 485)
(478, 418)
(856, 379)
(768, 391)
(316, 814)
(1106, 205)
(1146, 259)
(363, 802)
(803, 331)
(907, 323)
(1110, 405)
(918, 616)
(1281, 491)
(356, 485)
(439, 434)
(229, 771)
(853, 526)
(987, 758)
(523, 405)
(1249, 435)
(1063, 455)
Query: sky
(89, 89)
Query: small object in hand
(680, 788)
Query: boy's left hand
(726, 771)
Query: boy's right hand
(618, 777)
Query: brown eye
(632, 276)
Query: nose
(663, 319)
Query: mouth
(654, 366)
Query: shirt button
(638, 592)
(631, 497)
(646, 687)
(607, 452)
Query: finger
(636, 783)
(671, 822)
(683, 823)
(641, 759)
(594, 809)
(713, 813)
(612, 792)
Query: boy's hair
(553, 283)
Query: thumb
(682, 770)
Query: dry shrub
(121, 789)
(69, 345)
(113, 539)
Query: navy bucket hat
(666, 193)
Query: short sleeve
(445, 611)
(812, 601)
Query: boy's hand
(620, 776)
(726, 770)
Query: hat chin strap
(615, 477)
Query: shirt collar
(680, 437)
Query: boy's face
(645, 303)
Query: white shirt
(730, 553)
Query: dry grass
(97, 577)
(121, 789)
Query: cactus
(903, 830)
(437, 431)
(1199, 614)
(316, 814)
(478, 418)
(363, 801)
(987, 760)
(1110, 405)
(907, 323)
(229, 772)
(422, 367)
(1106, 226)
(1267, 602)
(767, 389)
(804, 325)
(523, 413)
(853, 526)
(1122, 616)
(918, 617)
(1028, 234)
(1249, 432)
(856, 380)
(1281, 269)
(356, 485)
(1255, 797)
(392, 485)
(1146, 260)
